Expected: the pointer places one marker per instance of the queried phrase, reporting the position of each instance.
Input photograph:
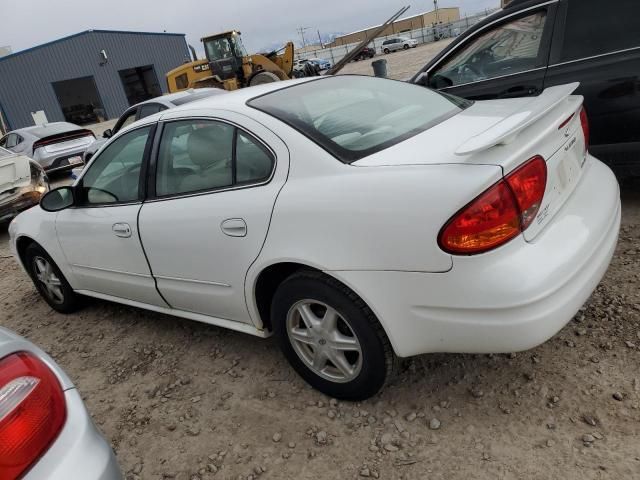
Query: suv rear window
(353, 117)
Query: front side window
(114, 175)
(201, 155)
(509, 48)
(355, 116)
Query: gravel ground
(401, 65)
(178, 399)
(183, 400)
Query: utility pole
(435, 5)
(301, 31)
(320, 39)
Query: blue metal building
(87, 77)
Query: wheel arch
(22, 243)
(268, 281)
(270, 278)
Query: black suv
(366, 52)
(534, 44)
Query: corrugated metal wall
(26, 78)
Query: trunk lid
(506, 133)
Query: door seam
(155, 280)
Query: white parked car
(356, 218)
(399, 43)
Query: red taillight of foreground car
(499, 214)
(584, 121)
(32, 412)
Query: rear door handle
(122, 230)
(520, 91)
(234, 227)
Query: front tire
(386, 51)
(405, 47)
(49, 280)
(263, 77)
(330, 336)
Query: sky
(27, 23)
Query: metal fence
(422, 35)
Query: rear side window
(594, 27)
(204, 155)
(355, 116)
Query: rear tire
(386, 51)
(330, 336)
(49, 280)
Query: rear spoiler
(63, 137)
(511, 126)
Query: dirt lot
(402, 64)
(188, 401)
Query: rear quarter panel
(341, 217)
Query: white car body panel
(103, 262)
(211, 280)
(374, 225)
(14, 171)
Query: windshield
(355, 116)
(224, 47)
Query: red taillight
(32, 412)
(499, 214)
(584, 121)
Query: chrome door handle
(234, 227)
(121, 230)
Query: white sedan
(359, 219)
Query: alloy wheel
(52, 286)
(324, 341)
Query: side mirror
(58, 199)
(108, 133)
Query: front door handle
(234, 227)
(122, 230)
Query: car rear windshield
(353, 117)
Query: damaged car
(22, 183)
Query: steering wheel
(467, 69)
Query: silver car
(149, 107)
(55, 146)
(46, 431)
(399, 43)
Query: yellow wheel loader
(228, 66)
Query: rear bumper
(511, 299)
(63, 160)
(79, 452)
